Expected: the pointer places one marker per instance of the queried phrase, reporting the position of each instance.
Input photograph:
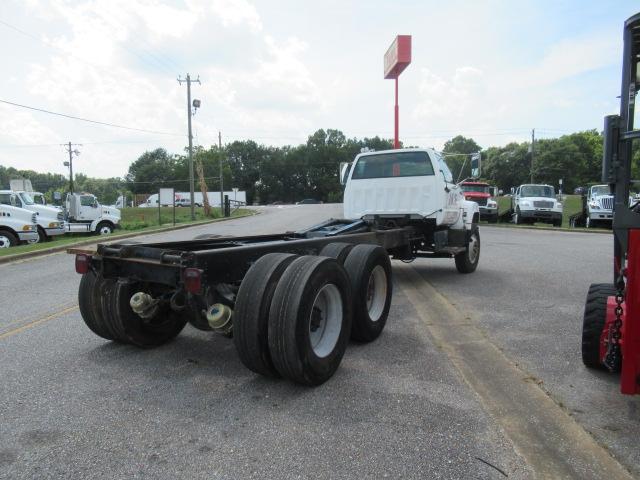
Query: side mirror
(345, 167)
(500, 192)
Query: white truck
(599, 205)
(17, 225)
(50, 220)
(84, 214)
(183, 199)
(395, 188)
(290, 301)
(532, 203)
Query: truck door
(88, 207)
(452, 192)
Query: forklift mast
(619, 134)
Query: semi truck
(83, 213)
(50, 220)
(611, 319)
(17, 226)
(290, 301)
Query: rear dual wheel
(105, 309)
(294, 315)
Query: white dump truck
(84, 214)
(50, 220)
(532, 203)
(17, 226)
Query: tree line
(310, 170)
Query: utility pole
(188, 81)
(533, 150)
(221, 186)
(69, 148)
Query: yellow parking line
(37, 322)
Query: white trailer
(182, 199)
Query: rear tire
(145, 333)
(467, 261)
(88, 300)
(338, 250)
(310, 320)
(251, 315)
(595, 315)
(493, 218)
(369, 270)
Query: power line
(97, 122)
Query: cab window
(87, 201)
(387, 165)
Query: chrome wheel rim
(377, 293)
(4, 242)
(105, 231)
(325, 321)
(474, 248)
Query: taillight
(83, 262)
(192, 278)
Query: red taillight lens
(83, 262)
(192, 279)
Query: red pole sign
(397, 58)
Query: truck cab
(17, 226)
(532, 203)
(481, 193)
(599, 205)
(85, 214)
(406, 185)
(50, 220)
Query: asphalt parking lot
(413, 404)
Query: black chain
(613, 357)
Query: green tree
(457, 155)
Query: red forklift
(611, 324)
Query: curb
(549, 229)
(94, 240)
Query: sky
(275, 71)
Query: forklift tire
(145, 333)
(88, 295)
(310, 320)
(369, 270)
(338, 250)
(595, 314)
(251, 315)
(467, 261)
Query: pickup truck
(17, 225)
(291, 301)
(598, 205)
(532, 203)
(50, 220)
(480, 192)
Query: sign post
(397, 58)
(166, 196)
